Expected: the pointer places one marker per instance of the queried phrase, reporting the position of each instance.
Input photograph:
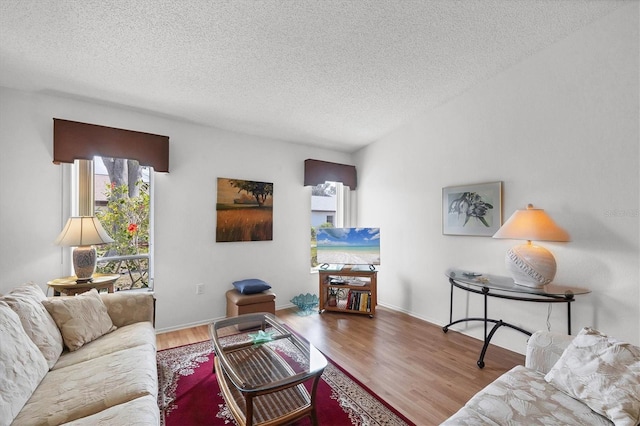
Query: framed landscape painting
(244, 210)
(472, 209)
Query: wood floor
(424, 373)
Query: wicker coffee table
(262, 372)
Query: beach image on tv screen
(349, 246)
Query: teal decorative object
(305, 303)
(261, 337)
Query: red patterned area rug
(189, 394)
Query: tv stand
(349, 290)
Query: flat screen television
(348, 246)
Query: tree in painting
(258, 190)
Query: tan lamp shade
(83, 232)
(531, 265)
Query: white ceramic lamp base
(84, 262)
(531, 266)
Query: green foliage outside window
(126, 219)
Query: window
(129, 220)
(120, 194)
(331, 206)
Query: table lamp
(83, 232)
(531, 265)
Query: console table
(505, 288)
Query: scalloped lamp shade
(531, 265)
(83, 232)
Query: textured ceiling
(338, 74)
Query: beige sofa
(589, 379)
(83, 360)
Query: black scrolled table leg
(485, 292)
(569, 316)
(487, 340)
(451, 304)
(446, 327)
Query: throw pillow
(603, 373)
(26, 301)
(22, 365)
(81, 318)
(251, 286)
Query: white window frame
(72, 177)
(346, 207)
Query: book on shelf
(359, 300)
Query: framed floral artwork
(472, 209)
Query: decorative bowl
(305, 303)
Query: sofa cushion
(81, 318)
(251, 286)
(140, 411)
(129, 336)
(128, 307)
(521, 396)
(22, 365)
(602, 372)
(26, 301)
(84, 389)
(544, 349)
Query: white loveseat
(82, 360)
(590, 379)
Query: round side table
(69, 287)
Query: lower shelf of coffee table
(275, 407)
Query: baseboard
(189, 325)
(208, 321)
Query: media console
(348, 289)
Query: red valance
(73, 140)
(317, 172)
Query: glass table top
(502, 283)
(244, 354)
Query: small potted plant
(333, 294)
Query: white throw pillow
(22, 365)
(26, 301)
(81, 319)
(603, 373)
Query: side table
(69, 287)
(505, 288)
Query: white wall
(31, 205)
(561, 131)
